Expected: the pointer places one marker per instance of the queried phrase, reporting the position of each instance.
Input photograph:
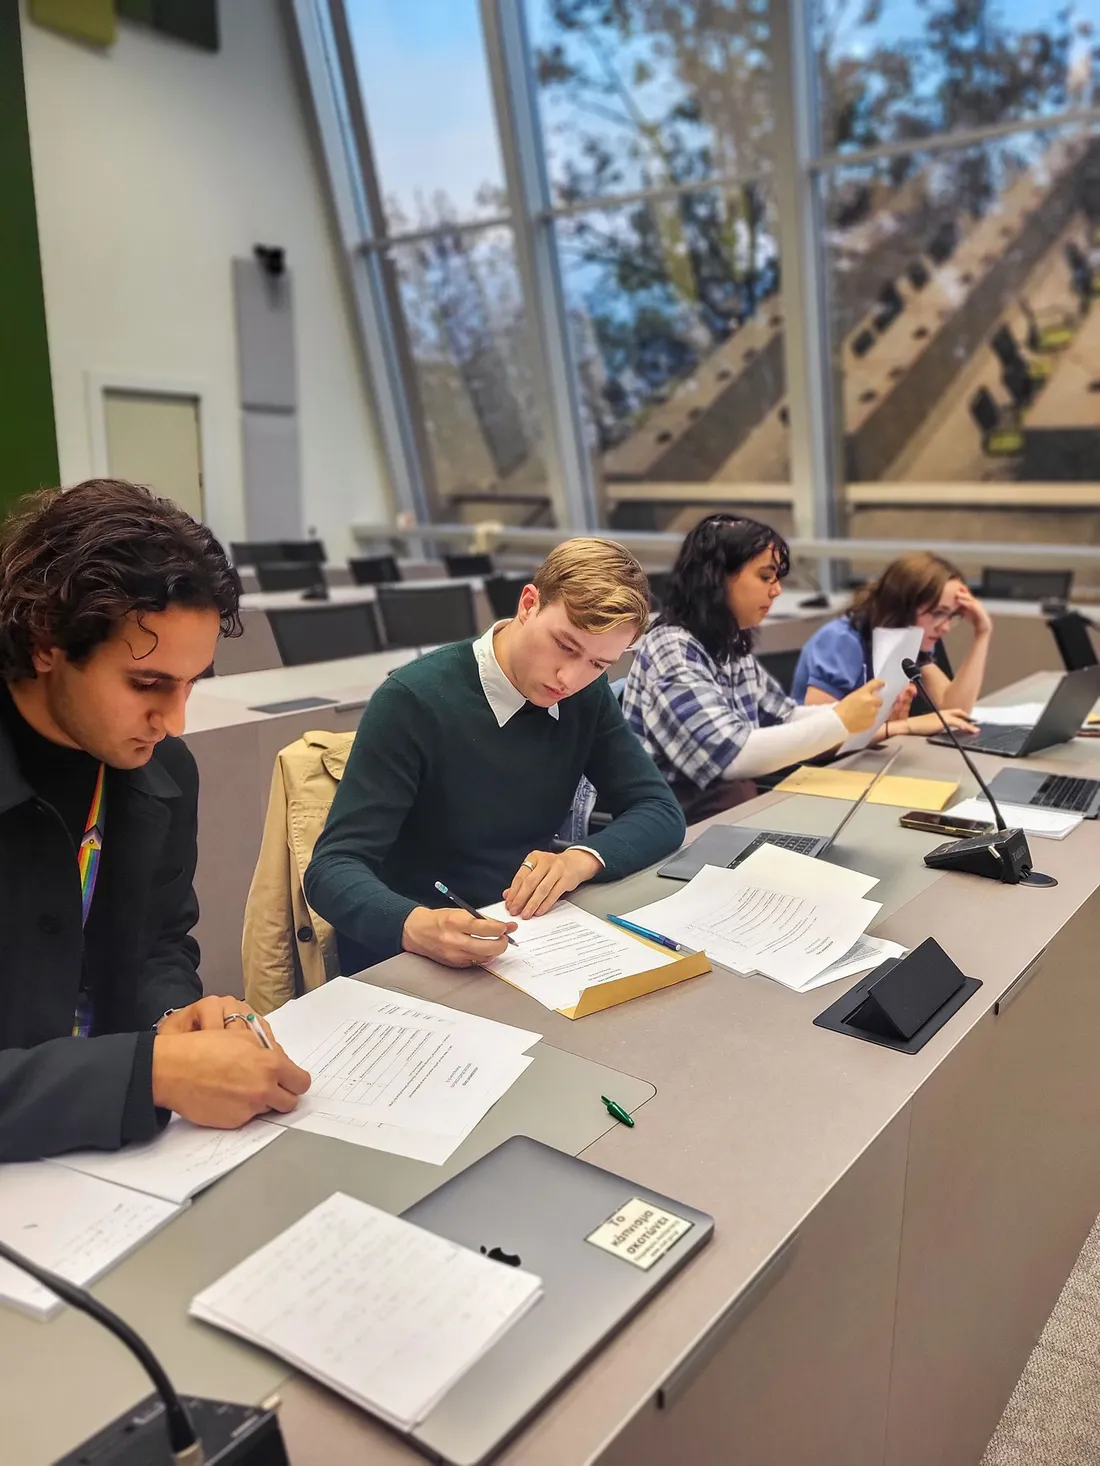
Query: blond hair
(600, 584)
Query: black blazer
(57, 1092)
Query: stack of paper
(778, 913)
(386, 1314)
(558, 955)
(906, 791)
(395, 1073)
(77, 1226)
(179, 1163)
(1051, 824)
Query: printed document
(1051, 824)
(751, 919)
(558, 955)
(394, 1072)
(77, 1226)
(387, 1314)
(890, 646)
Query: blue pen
(644, 931)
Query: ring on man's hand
(229, 1017)
(529, 864)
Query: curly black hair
(695, 597)
(74, 562)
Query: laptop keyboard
(990, 740)
(1060, 792)
(801, 844)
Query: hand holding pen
(462, 938)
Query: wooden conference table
(892, 1231)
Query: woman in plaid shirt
(704, 708)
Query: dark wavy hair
(74, 562)
(695, 597)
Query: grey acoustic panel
(265, 337)
(272, 475)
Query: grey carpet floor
(1053, 1417)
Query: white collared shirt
(504, 698)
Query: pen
(617, 1112)
(465, 905)
(258, 1029)
(644, 931)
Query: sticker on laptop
(640, 1233)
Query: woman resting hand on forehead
(915, 590)
(705, 709)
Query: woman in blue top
(915, 590)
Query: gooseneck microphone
(231, 1435)
(1003, 854)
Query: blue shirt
(838, 660)
(693, 714)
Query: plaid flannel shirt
(692, 714)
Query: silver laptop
(526, 1204)
(729, 845)
(1069, 705)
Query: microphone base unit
(1000, 855)
(230, 1435)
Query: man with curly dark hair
(111, 604)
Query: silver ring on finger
(528, 863)
(230, 1017)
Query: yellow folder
(898, 789)
(609, 994)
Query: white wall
(154, 165)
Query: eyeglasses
(942, 617)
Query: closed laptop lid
(528, 1205)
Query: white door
(156, 439)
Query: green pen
(617, 1112)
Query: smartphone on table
(943, 824)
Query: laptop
(526, 1204)
(729, 845)
(1062, 792)
(1070, 704)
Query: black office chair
(658, 586)
(303, 575)
(426, 616)
(255, 552)
(324, 633)
(459, 567)
(781, 665)
(1071, 633)
(1019, 383)
(374, 570)
(503, 592)
(1025, 585)
(310, 551)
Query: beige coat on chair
(287, 949)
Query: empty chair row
(401, 616)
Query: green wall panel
(28, 440)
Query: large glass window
(678, 332)
(962, 322)
(901, 70)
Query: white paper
(77, 1226)
(890, 646)
(868, 952)
(387, 1314)
(396, 1073)
(559, 955)
(179, 1163)
(803, 875)
(1050, 824)
(1014, 715)
(784, 934)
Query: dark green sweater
(435, 790)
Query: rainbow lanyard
(87, 857)
(91, 848)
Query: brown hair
(74, 562)
(909, 585)
(599, 582)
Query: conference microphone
(163, 1430)
(1002, 854)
